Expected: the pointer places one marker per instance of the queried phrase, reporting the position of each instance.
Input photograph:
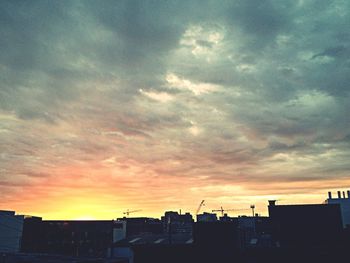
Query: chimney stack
(344, 194)
(339, 194)
(329, 195)
(348, 194)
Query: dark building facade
(216, 234)
(142, 225)
(74, 238)
(177, 223)
(254, 231)
(11, 227)
(33, 236)
(316, 225)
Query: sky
(156, 105)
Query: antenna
(252, 207)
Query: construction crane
(127, 212)
(199, 207)
(226, 210)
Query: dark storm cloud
(144, 27)
(339, 51)
(262, 20)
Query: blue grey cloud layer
(239, 91)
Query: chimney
(348, 194)
(272, 202)
(339, 194)
(329, 195)
(344, 194)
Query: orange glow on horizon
(106, 191)
(67, 203)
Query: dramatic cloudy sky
(156, 105)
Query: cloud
(128, 95)
(184, 84)
(161, 96)
(261, 20)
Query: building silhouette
(207, 217)
(177, 223)
(291, 233)
(314, 225)
(11, 226)
(344, 202)
(68, 237)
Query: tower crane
(199, 207)
(222, 210)
(127, 212)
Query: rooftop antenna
(252, 207)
